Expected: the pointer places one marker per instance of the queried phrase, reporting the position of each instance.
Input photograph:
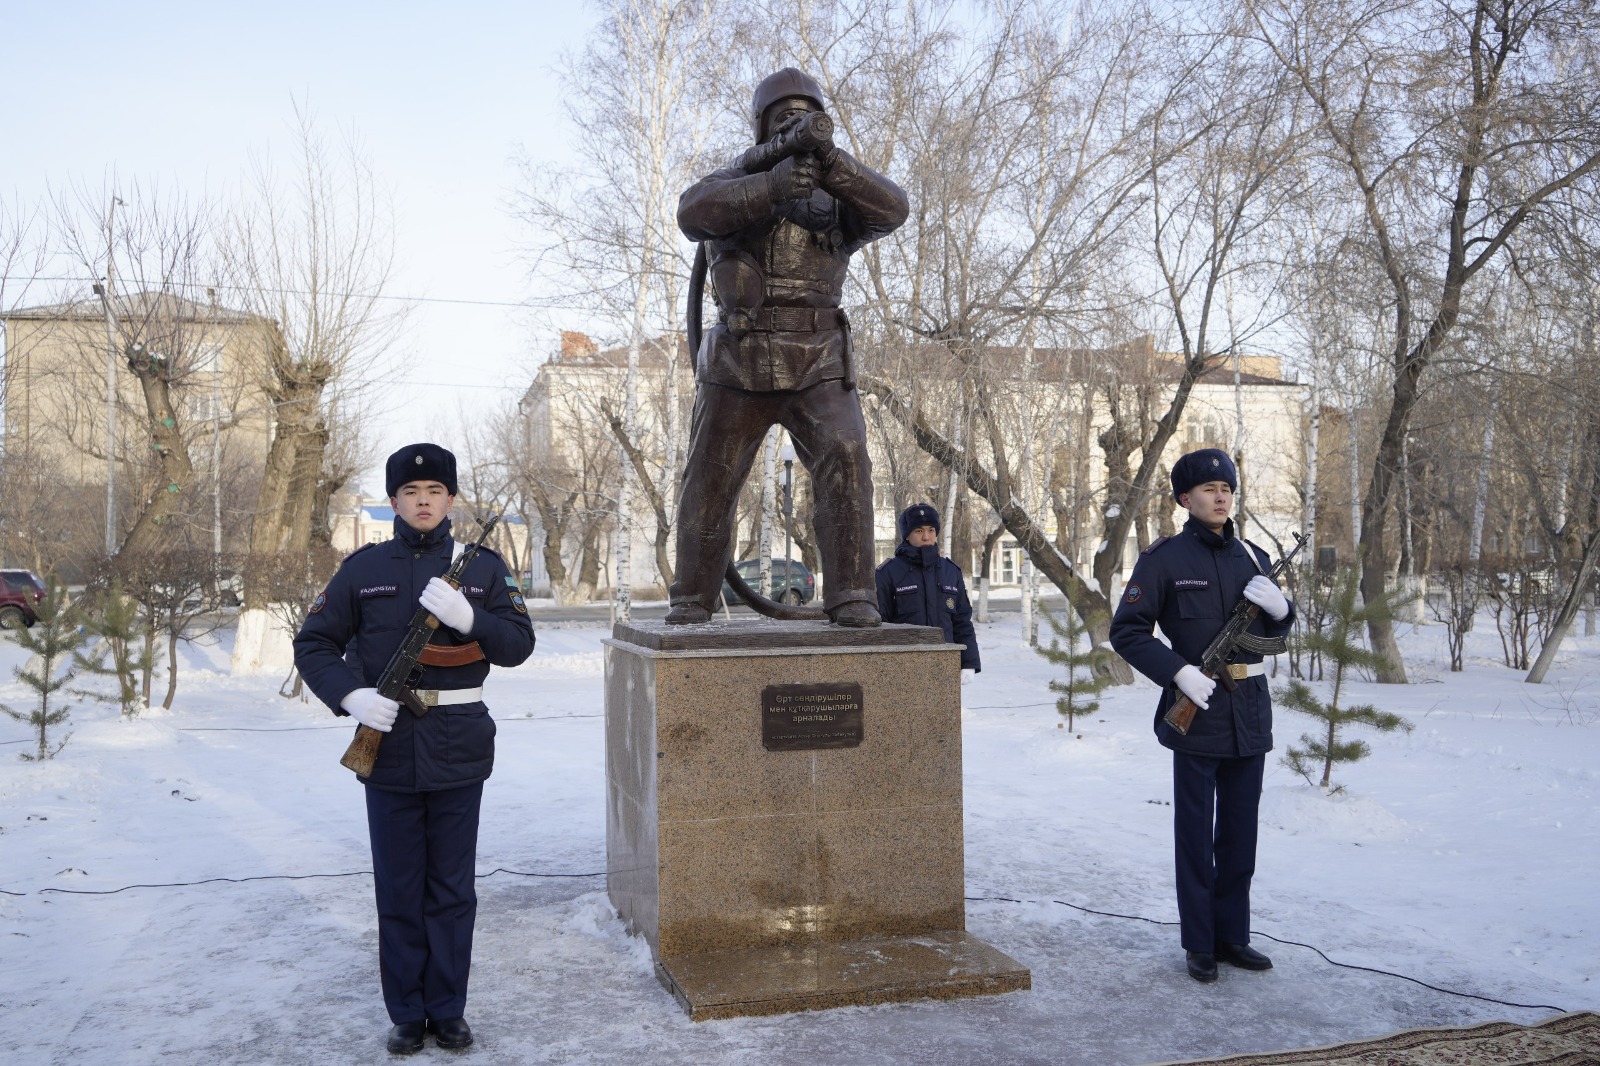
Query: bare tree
(151, 255)
(22, 259)
(1452, 123)
(314, 253)
(606, 230)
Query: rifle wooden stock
(1180, 715)
(363, 751)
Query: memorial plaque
(802, 717)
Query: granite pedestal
(768, 881)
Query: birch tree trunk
(1480, 492)
(769, 507)
(1569, 611)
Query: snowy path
(1464, 854)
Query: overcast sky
(181, 94)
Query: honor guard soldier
(1188, 584)
(920, 587)
(427, 782)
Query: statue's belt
(450, 655)
(796, 319)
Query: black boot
(406, 1038)
(453, 1034)
(1243, 956)
(1202, 966)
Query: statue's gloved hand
(1196, 685)
(370, 709)
(795, 178)
(447, 603)
(1267, 596)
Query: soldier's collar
(417, 540)
(1214, 541)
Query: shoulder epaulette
(364, 547)
(1158, 542)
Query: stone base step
(779, 980)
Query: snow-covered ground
(1465, 855)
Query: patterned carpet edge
(1564, 1040)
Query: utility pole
(106, 293)
(216, 455)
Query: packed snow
(1463, 856)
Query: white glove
(447, 604)
(1196, 685)
(370, 709)
(1264, 594)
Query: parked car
(801, 587)
(20, 593)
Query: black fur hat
(916, 516)
(1198, 467)
(420, 462)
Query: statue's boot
(690, 614)
(858, 614)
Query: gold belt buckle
(1238, 671)
(428, 697)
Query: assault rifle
(1214, 663)
(403, 672)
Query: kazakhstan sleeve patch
(1133, 593)
(318, 603)
(517, 602)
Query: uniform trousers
(424, 850)
(830, 437)
(1215, 802)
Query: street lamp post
(787, 455)
(107, 293)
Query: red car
(20, 593)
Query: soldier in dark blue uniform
(425, 788)
(920, 587)
(1187, 584)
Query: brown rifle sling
(450, 655)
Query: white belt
(447, 697)
(1240, 671)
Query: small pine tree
(1339, 644)
(1077, 691)
(53, 639)
(117, 622)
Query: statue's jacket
(782, 264)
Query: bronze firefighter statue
(777, 230)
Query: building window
(1010, 562)
(202, 407)
(208, 359)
